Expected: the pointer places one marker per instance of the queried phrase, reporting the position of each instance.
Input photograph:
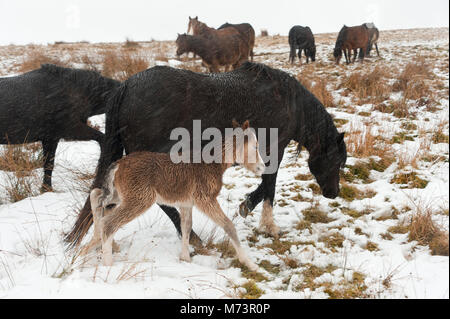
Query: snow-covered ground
(368, 261)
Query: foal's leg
(186, 226)
(212, 210)
(122, 214)
(97, 213)
(49, 150)
(376, 47)
(174, 216)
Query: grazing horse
(201, 29)
(49, 104)
(226, 51)
(351, 38)
(247, 31)
(137, 181)
(301, 38)
(149, 105)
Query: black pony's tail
(111, 151)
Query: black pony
(150, 104)
(247, 32)
(49, 104)
(301, 38)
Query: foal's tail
(111, 151)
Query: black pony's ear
(340, 138)
(196, 18)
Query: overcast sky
(47, 21)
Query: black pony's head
(337, 53)
(311, 52)
(182, 43)
(325, 162)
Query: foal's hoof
(185, 257)
(243, 208)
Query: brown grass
(414, 81)
(122, 65)
(34, 58)
(423, 230)
(361, 143)
(21, 161)
(368, 87)
(318, 87)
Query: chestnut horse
(215, 52)
(351, 38)
(201, 29)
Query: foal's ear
(235, 123)
(246, 125)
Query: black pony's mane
(89, 81)
(312, 116)
(341, 37)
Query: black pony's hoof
(194, 240)
(46, 188)
(244, 210)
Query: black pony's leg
(252, 199)
(346, 57)
(83, 132)
(266, 223)
(49, 150)
(292, 55)
(300, 55)
(363, 55)
(174, 216)
(266, 192)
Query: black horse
(49, 104)
(150, 104)
(301, 38)
(247, 32)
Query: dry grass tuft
(318, 87)
(21, 161)
(34, 58)
(423, 230)
(370, 87)
(121, 66)
(414, 82)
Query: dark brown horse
(351, 38)
(225, 50)
(247, 32)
